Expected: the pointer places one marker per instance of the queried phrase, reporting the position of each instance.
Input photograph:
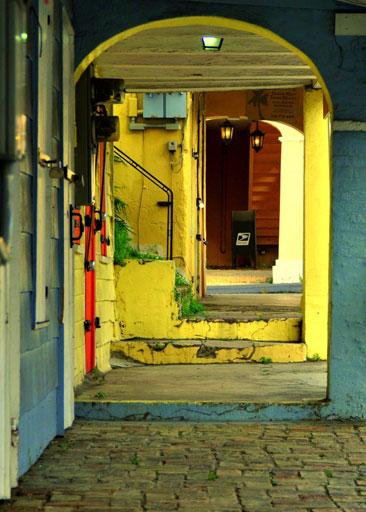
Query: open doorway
(254, 203)
(148, 333)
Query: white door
(68, 199)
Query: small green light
(23, 36)
(212, 43)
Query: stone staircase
(233, 329)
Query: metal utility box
(244, 237)
(153, 105)
(165, 105)
(176, 105)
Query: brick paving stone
(189, 467)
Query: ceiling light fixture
(212, 43)
(257, 139)
(227, 132)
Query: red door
(90, 284)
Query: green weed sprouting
(265, 360)
(188, 304)
(135, 460)
(122, 237)
(100, 395)
(315, 357)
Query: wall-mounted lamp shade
(257, 139)
(212, 43)
(227, 132)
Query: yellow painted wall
(316, 224)
(147, 220)
(105, 294)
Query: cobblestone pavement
(226, 467)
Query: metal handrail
(128, 160)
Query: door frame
(67, 192)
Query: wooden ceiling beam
(176, 74)
(209, 87)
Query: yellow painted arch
(217, 21)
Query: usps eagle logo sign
(243, 239)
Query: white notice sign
(243, 239)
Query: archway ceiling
(172, 59)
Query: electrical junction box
(172, 145)
(176, 105)
(165, 105)
(153, 106)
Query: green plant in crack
(265, 360)
(101, 395)
(135, 460)
(314, 358)
(122, 237)
(212, 475)
(187, 303)
(64, 445)
(159, 346)
(328, 473)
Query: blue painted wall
(41, 350)
(308, 25)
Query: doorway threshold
(254, 288)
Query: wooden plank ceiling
(172, 59)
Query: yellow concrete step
(285, 308)
(236, 276)
(159, 352)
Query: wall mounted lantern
(257, 139)
(227, 132)
(212, 43)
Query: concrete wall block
(79, 282)
(105, 334)
(105, 270)
(106, 311)
(103, 355)
(79, 333)
(79, 365)
(105, 289)
(79, 260)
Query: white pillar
(289, 265)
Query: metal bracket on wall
(133, 126)
(76, 221)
